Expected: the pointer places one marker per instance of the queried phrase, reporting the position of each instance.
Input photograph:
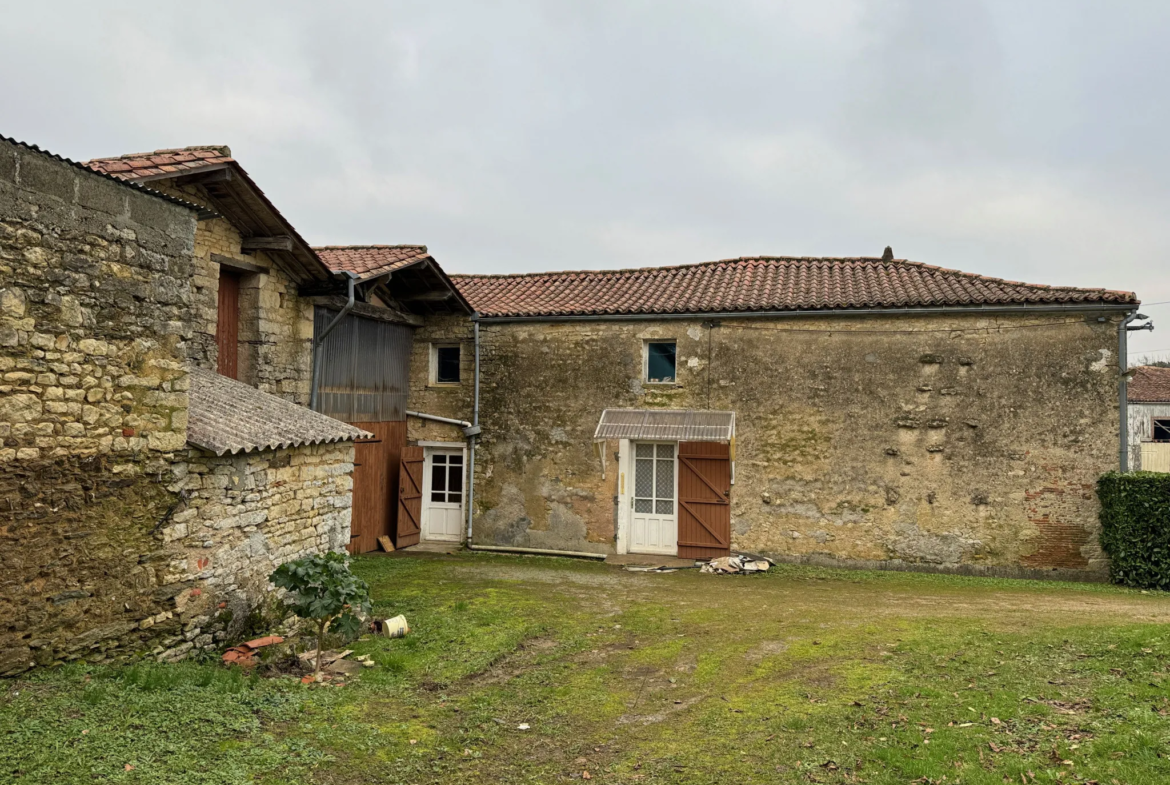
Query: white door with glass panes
(654, 520)
(443, 496)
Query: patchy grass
(802, 675)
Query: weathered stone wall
(966, 442)
(240, 517)
(454, 401)
(276, 324)
(116, 540)
(94, 324)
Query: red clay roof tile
(758, 284)
(370, 260)
(1149, 384)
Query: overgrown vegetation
(1135, 527)
(806, 675)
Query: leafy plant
(1135, 527)
(322, 588)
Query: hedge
(1135, 527)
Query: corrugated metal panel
(365, 369)
(666, 425)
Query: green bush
(1135, 527)
(321, 588)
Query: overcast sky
(1026, 140)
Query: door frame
(429, 449)
(625, 516)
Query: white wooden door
(443, 496)
(654, 520)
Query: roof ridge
(222, 149)
(420, 246)
(869, 260)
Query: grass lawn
(801, 675)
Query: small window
(1162, 429)
(660, 362)
(445, 364)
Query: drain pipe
(1123, 331)
(319, 340)
(471, 439)
(436, 418)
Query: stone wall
(276, 324)
(240, 517)
(117, 541)
(94, 324)
(454, 401)
(967, 443)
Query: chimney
(888, 254)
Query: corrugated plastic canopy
(666, 425)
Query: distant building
(1148, 393)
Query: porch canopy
(666, 425)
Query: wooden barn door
(410, 483)
(375, 484)
(227, 328)
(704, 500)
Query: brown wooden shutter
(410, 497)
(227, 329)
(704, 500)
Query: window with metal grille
(660, 362)
(654, 479)
(447, 478)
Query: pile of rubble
(737, 564)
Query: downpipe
(1123, 330)
(319, 340)
(472, 438)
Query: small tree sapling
(322, 588)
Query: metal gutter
(436, 418)
(318, 340)
(942, 310)
(471, 439)
(537, 551)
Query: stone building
(1148, 413)
(145, 498)
(864, 411)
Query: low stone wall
(123, 567)
(242, 516)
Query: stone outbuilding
(145, 497)
(1148, 413)
(863, 411)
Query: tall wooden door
(410, 483)
(704, 500)
(375, 484)
(227, 328)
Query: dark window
(660, 362)
(447, 364)
(1162, 429)
(447, 478)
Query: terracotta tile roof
(163, 164)
(1149, 384)
(370, 260)
(174, 162)
(86, 167)
(230, 416)
(758, 284)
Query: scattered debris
(392, 628)
(641, 568)
(737, 563)
(244, 655)
(522, 726)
